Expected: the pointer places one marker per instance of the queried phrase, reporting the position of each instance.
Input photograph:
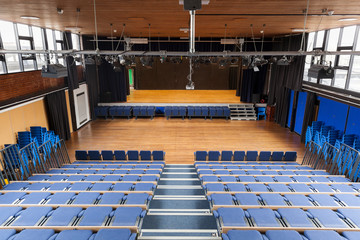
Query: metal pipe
(192, 31)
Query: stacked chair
(271, 196)
(99, 196)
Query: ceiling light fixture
(73, 28)
(185, 30)
(30, 17)
(347, 19)
(299, 30)
(203, 2)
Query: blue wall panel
(353, 124)
(332, 113)
(290, 107)
(300, 112)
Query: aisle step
(179, 182)
(181, 220)
(192, 191)
(182, 203)
(179, 187)
(153, 234)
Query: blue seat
(295, 217)
(5, 234)
(107, 155)
(221, 199)
(191, 112)
(86, 198)
(351, 235)
(322, 235)
(204, 112)
(236, 187)
(81, 155)
(349, 199)
(76, 178)
(127, 111)
(35, 197)
(238, 172)
(111, 198)
(168, 112)
(130, 178)
(143, 111)
(251, 155)
(278, 187)
(226, 112)
(242, 234)
(7, 212)
(62, 216)
(158, 155)
(352, 214)
(239, 155)
(290, 156)
(272, 199)
(101, 111)
(145, 155)
(214, 187)
(212, 112)
(264, 156)
(228, 179)
(144, 186)
(283, 234)
(133, 155)
(300, 187)
(327, 218)
(38, 177)
(247, 179)
(298, 200)
(95, 216)
(136, 198)
(247, 199)
(55, 178)
(39, 186)
(263, 217)
(16, 186)
(73, 234)
(254, 172)
(182, 112)
(257, 187)
(324, 200)
(205, 171)
(231, 217)
(11, 197)
(322, 187)
(31, 234)
(60, 198)
(136, 111)
(30, 216)
(200, 155)
(150, 111)
(214, 155)
(120, 155)
(226, 155)
(264, 179)
(101, 186)
(285, 179)
(261, 111)
(127, 216)
(219, 172)
(80, 186)
(94, 155)
(320, 179)
(149, 178)
(277, 156)
(302, 179)
(136, 171)
(122, 186)
(339, 179)
(118, 234)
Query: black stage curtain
(72, 78)
(252, 83)
(284, 78)
(233, 77)
(93, 87)
(112, 83)
(58, 115)
(309, 113)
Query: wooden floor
(183, 96)
(180, 138)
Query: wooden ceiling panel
(167, 16)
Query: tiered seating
(277, 199)
(227, 156)
(121, 155)
(120, 111)
(97, 195)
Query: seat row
(80, 186)
(269, 199)
(284, 188)
(125, 111)
(119, 155)
(70, 198)
(251, 166)
(71, 216)
(197, 111)
(242, 156)
(280, 178)
(96, 178)
(110, 166)
(259, 172)
(143, 170)
(231, 218)
(49, 234)
(290, 234)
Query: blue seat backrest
(81, 155)
(239, 155)
(120, 155)
(133, 155)
(200, 155)
(94, 155)
(158, 155)
(145, 155)
(277, 156)
(107, 155)
(290, 156)
(251, 155)
(264, 156)
(226, 155)
(214, 155)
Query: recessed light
(299, 30)
(347, 19)
(30, 17)
(185, 29)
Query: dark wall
(169, 75)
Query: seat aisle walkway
(179, 209)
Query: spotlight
(122, 60)
(60, 11)
(176, 60)
(223, 62)
(284, 61)
(147, 61)
(234, 61)
(214, 60)
(246, 61)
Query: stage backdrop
(167, 75)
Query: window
(332, 45)
(308, 59)
(319, 39)
(7, 33)
(354, 83)
(340, 78)
(348, 34)
(38, 37)
(75, 41)
(50, 39)
(26, 42)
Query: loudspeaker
(192, 4)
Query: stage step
(242, 112)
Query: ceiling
(167, 16)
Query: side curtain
(112, 84)
(72, 78)
(58, 115)
(93, 87)
(252, 83)
(309, 113)
(233, 77)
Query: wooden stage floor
(183, 96)
(180, 138)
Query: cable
(112, 40)
(303, 34)
(122, 33)
(262, 41)
(96, 30)
(253, 38)
(149, 38)
(225, 37)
